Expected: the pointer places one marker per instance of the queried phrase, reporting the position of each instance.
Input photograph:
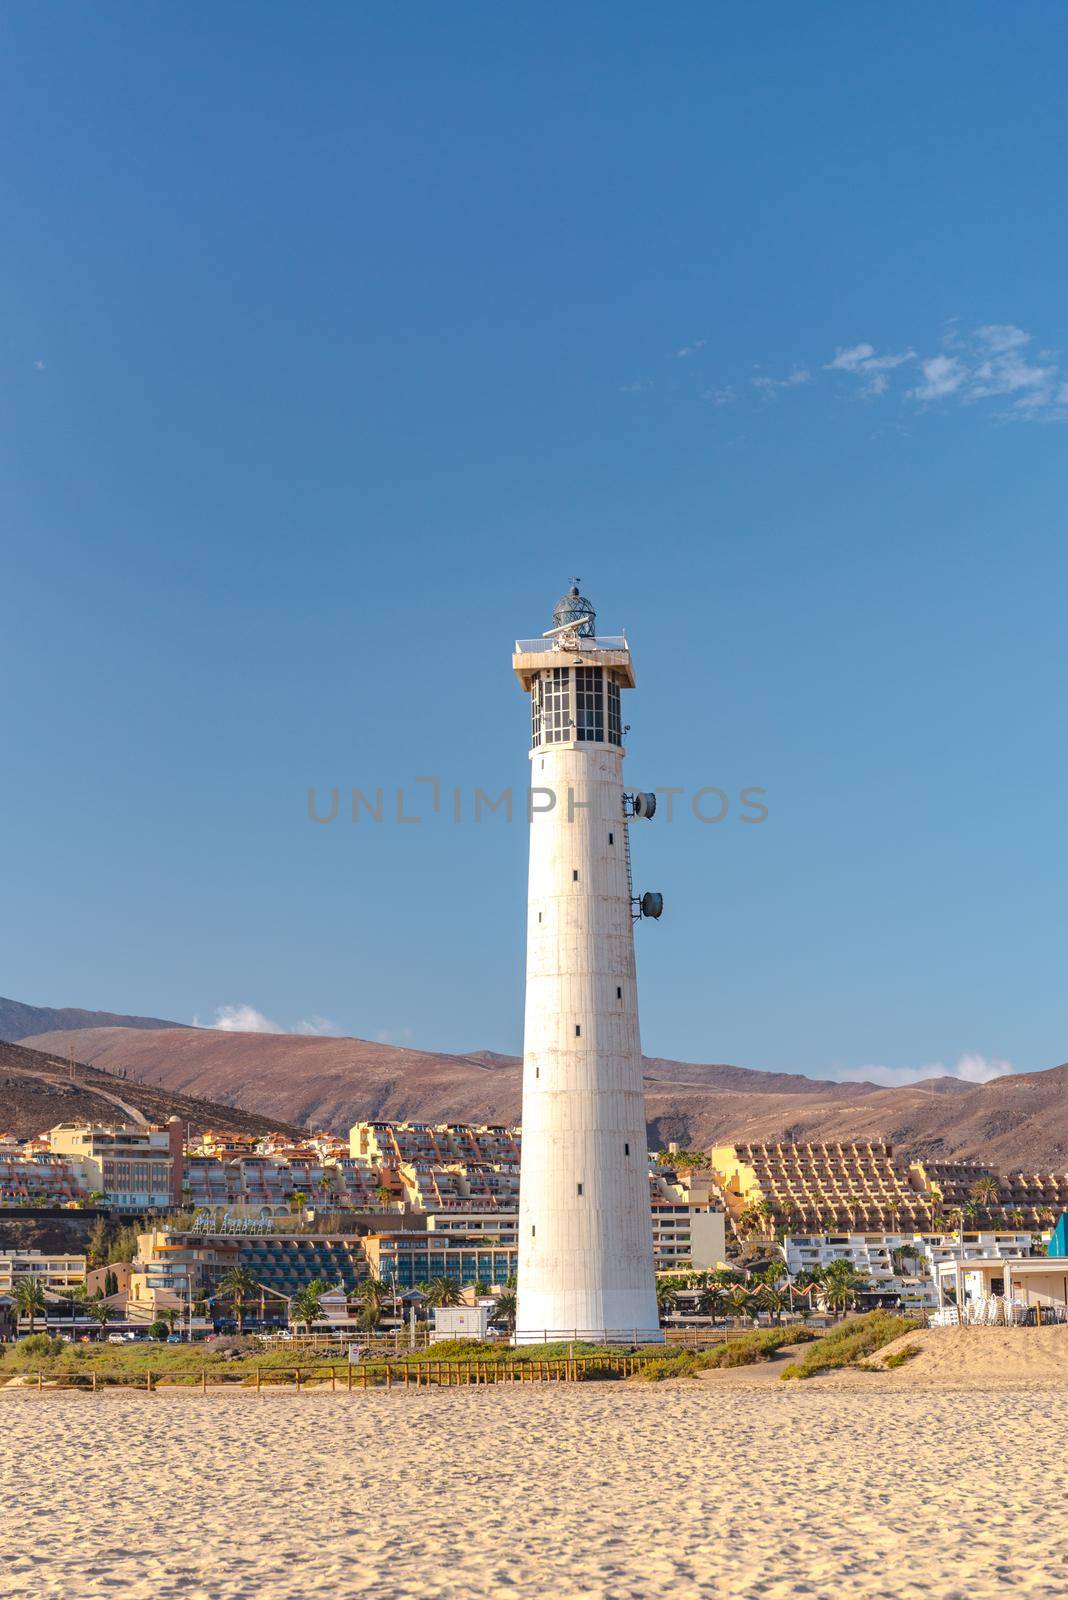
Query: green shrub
(848, 1344)
(39, 1344)
(742, 1352)
(158, 1330)
(898, 1357)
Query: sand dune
(981, 1358)
(596, 1492)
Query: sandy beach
(868, 1485)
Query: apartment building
(829, 1186)
(409, 1259)
(34, 1177)
(57, 1272)
(135, 1168)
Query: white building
(685, 1233)
(585, 1231)
(873, 1256)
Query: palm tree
(776, 1300)
(238, 1285)
(754, 1218)
(306, 1306)
(987, 1191)
(444, 1292)
(374, 1292)
(101, 1312)
(739, 1299)
(30, 1299)
(505, 1310)
(711, 1302)
(666, 1300)
(170, 1317)
(841, 1285)
(383, 1195)
(297, 1201)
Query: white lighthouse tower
(585, 1229)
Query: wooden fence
(359, 1375)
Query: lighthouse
(585, 1226)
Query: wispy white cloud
(991, 364)
(791, 381)
(969, 1068)
(1002, 336)
(319, 1027)
(686, 350)
(981, 365)
(246, 1019)
(942, 375)
(39, 365)
(240, 1019)
(861, 361)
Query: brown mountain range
(1015, 1122)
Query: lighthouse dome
(573, 610)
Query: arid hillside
(38, 1090)
(1015, 1122)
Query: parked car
(116, 1338)
(174, 1338)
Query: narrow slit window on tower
(580, 1188)
(611, 838)
(619, 993)
(574, 875)
(533, 1229)
(578, 1030)
(539, 916)
(626, 1149)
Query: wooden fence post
(204, 1381)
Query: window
(535, 712)
(589, 703)
(539, 916)
(615, 720)
(611, 838)
(626, 1149)
(556, 705)
(533, 1230)
(580, 1188)
(578, 1030)
(619, 993)
(574, 875)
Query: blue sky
(336, 339)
